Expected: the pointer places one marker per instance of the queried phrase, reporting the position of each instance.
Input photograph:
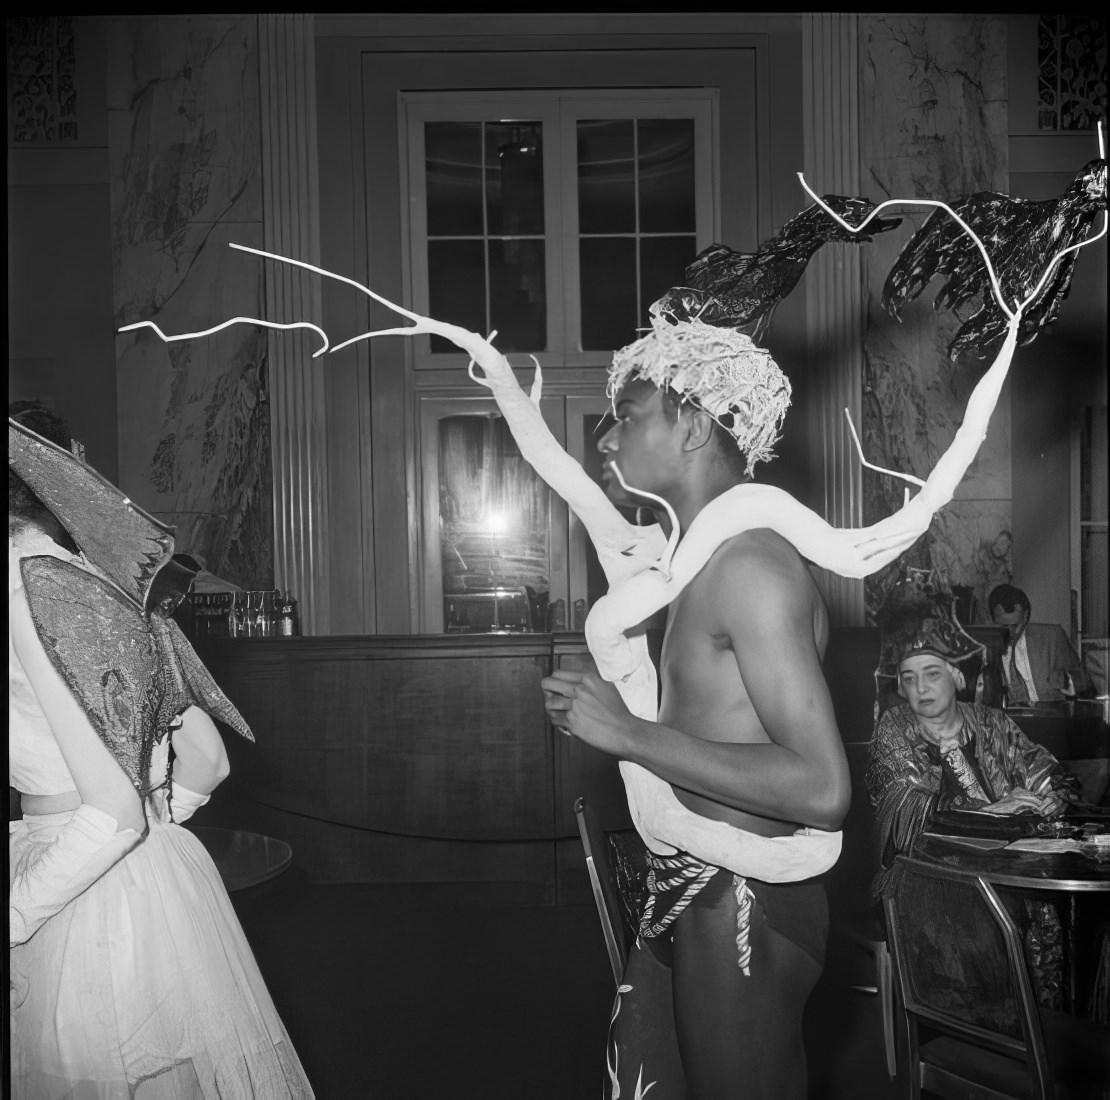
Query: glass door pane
(494, 537)
(606, 181)
(554, 217)
(453, 178)
(637, 220)
(588, 419)
(486, 253)
(666, 183)
(610, 299)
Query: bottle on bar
(287, 620)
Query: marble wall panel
(969, 545)
(184, 147)
(933, 125)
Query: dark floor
(392, 993)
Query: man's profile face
(644, 442)
(1015, 620)
(927, 683)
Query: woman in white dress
(130, 976)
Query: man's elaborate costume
(1022, 233)
(774, 934)
(737, 386)
(741, 290)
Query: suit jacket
(1051, 658)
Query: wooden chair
(858, 956)
(970, 1021)
(616, 880)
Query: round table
(244, 859)
(1069, 874)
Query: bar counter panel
(430, 757)
(425, 759)
(442, 737)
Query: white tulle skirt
(144, 987)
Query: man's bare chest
(699, 672)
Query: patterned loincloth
(674, 881)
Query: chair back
(960, 965)
(617, 873)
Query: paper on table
(983, 843)
(1043, 844)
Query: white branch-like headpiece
(646, 573)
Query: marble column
(291, 224)
(834, 305)
(185, 165)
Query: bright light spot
(497, 523)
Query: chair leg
(913, 1059)
(884, 978)
(907, 1052)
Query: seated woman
(934, 753)
(129, 972)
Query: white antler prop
(631, 557)
(226, 324)
(645, 574)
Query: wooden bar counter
(410, 758)
(429, 758)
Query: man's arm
(801, 773)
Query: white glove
(44, 879)
(184, 803)
(173, 804)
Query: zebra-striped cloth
(674, 881)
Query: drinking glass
(256, 614)
(237, 616)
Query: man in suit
(1039, 663)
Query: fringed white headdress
(719, 370)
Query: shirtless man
(746, 734)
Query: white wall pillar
(834, 287)
(291, 227)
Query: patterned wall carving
(1071, 72)
(42, 86)
(933, 124)
(184, 148)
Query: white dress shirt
(1020, 655)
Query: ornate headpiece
(126, 662)
(719, 370)
(1020, 234)
(127, 544)
(918, 616)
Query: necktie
(1019, 689)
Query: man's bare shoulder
(757, 582)
(762, 556)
